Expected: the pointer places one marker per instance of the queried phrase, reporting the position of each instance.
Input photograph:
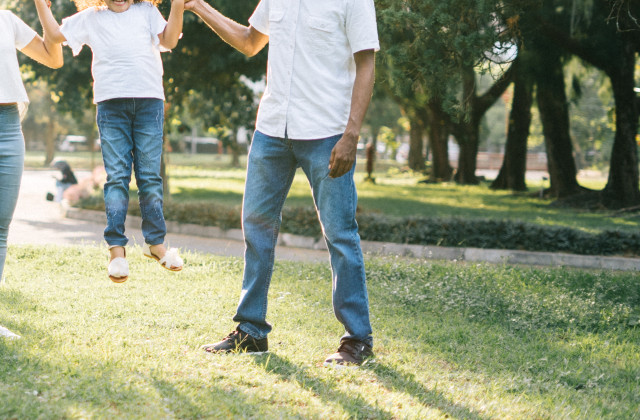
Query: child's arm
(51, 28)
(171, 34)
(44, 51)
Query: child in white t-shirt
(126, 38)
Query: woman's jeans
(271, 167)
(11, 164)
(131, 134)
(61, 187)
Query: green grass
(397, 194)
(210, 178)
(451, 341)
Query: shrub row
(451, 232)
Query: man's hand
(343, 155)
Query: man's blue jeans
(131, 132)
(271, 167)
(11, 164)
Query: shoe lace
(232, 335)
(351, 346)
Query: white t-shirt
(126, 49)
(311, 69)
(14, 34)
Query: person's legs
(270, 170)
(115, 126)
(336, 200)
(147, 156)
(11, 164)
(61, 187)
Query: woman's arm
(51, 28)
(171, 34)
(247, 40)
(44, 50)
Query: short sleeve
(362, 30)
(260, 17)
(74, 29)
(23, 33)
(157, 23)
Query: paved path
(39, 222)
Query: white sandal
(171, 260)
(118, 270)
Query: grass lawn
(401, 194)
(452, 341)
(209, 178)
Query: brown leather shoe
(351, 353)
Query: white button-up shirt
(311, 69)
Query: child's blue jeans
(131, 134)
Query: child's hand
(190, 4)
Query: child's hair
(85, 4)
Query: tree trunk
(467, 159)
(438, 137)
(622, 186)
(50, 142)
(554, 113)
(514, 166)
(618, 61)
(416, 144)
(372, 148)
(467, 132)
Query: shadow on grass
(356, 406)
(35, 382)
(564, 333)
(220, 403)
(394, 380)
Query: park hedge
(450, 232)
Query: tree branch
(572, 45)
(487, 99)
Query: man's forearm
(343, 154)
(231, 32)
(362, 92)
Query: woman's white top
(126, 49)
(14, 34)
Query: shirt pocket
(275, 22)
(322, 35)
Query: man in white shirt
(320, 77)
